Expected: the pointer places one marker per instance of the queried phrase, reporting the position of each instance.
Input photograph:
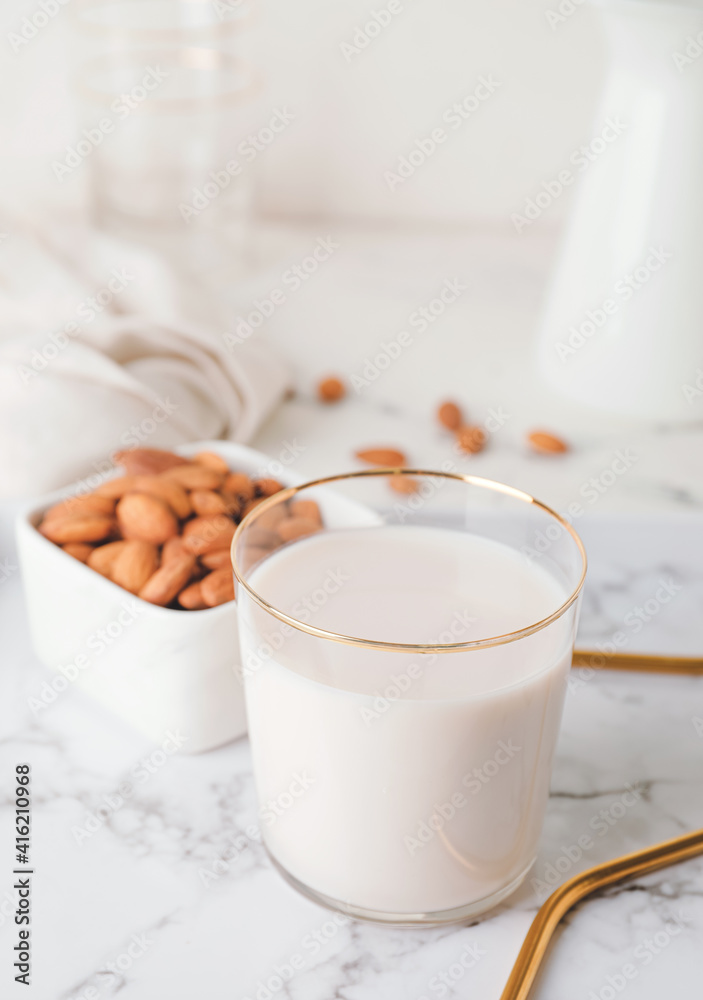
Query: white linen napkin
(80, 379)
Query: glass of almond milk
(406, 637)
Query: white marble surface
(143, 871)
(479, 352)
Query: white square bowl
(157, 668)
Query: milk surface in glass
(403, 782)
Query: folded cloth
(105, 381)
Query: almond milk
(396, 783)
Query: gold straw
(642, 662)
(550, 913)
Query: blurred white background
(356, 112)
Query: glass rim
(160, 105)
(211, 31)
(407, 647)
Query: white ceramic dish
(157, 668)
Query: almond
(267, 487)
(134, 565)
(471, 439)
(102, 558)
(205, 534)
(297, 527)
(146, 461)
(305, 508)
(239, 485)
(192, 597)
(233, 505)
(200, 571)
(262, 538)
(217, 587)
(142, 516)
(165, 489)
(250, 505)
(215, 559)
(169, 580)
(207, 503)
(81, 506)
(195, 477)
(79, 550)
(86, 528)
(387, 457)
(172, 548)
(270, 518)
(331, 389)
(547, 444)
(403, 484)
(449, 416)
(213, 461)
(116, 488)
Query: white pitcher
(623, 325)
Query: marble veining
(169, 892)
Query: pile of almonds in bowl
(163, 530)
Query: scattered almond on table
(403, 484)
(450, 416)
(331, 390)
(163, 530)
(471, 439)
(384, 457)
(390, 458)
(546, 443)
